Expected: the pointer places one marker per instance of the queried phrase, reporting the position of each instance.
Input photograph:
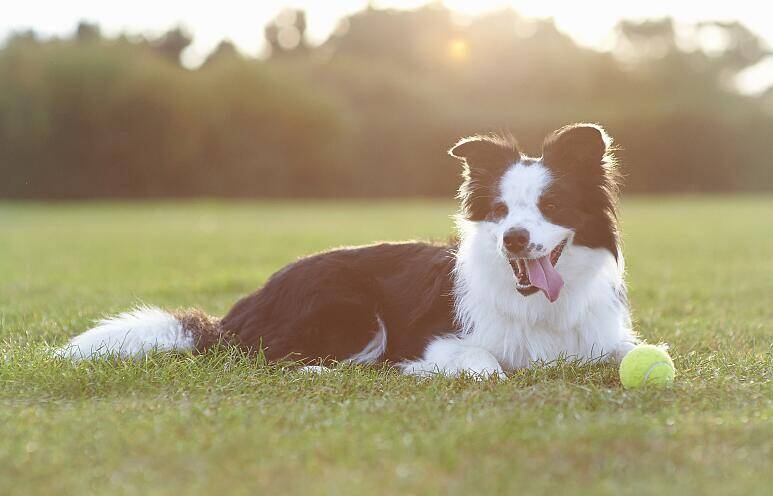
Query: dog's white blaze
(130, 334)
(521, 187)
(523, 184)
(374, 349)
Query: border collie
(537, 275)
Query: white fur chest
(586, 322)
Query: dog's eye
(499, 210)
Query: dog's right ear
(486, 152)
(485, 158)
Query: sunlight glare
(459, 49)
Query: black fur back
(326, 306)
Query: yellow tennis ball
(646, 364)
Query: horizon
(243, 25)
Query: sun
(458, 49)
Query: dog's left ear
(486, 152)
(576, 145)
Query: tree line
(371, 111)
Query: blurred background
(350, 99)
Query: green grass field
(701, 279)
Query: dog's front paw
(450, 359)
(622, 349)
(480, 364)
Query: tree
(224, 51)
(716, 51)
(87, 32)
(172, 44)
(286, 35)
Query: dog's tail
(142, 330)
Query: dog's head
(535, 208)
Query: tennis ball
(646, 364)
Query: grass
(700, 277)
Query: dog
(537, 274)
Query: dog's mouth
(539, 274)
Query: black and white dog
(537, 274)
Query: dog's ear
(576, 145)
(486, 152)
(485, 158)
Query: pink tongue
(544, 276)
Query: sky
(589, 22)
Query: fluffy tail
(142, 330)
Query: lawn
(701, 279)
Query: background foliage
(372, 110)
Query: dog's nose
(516, 239)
